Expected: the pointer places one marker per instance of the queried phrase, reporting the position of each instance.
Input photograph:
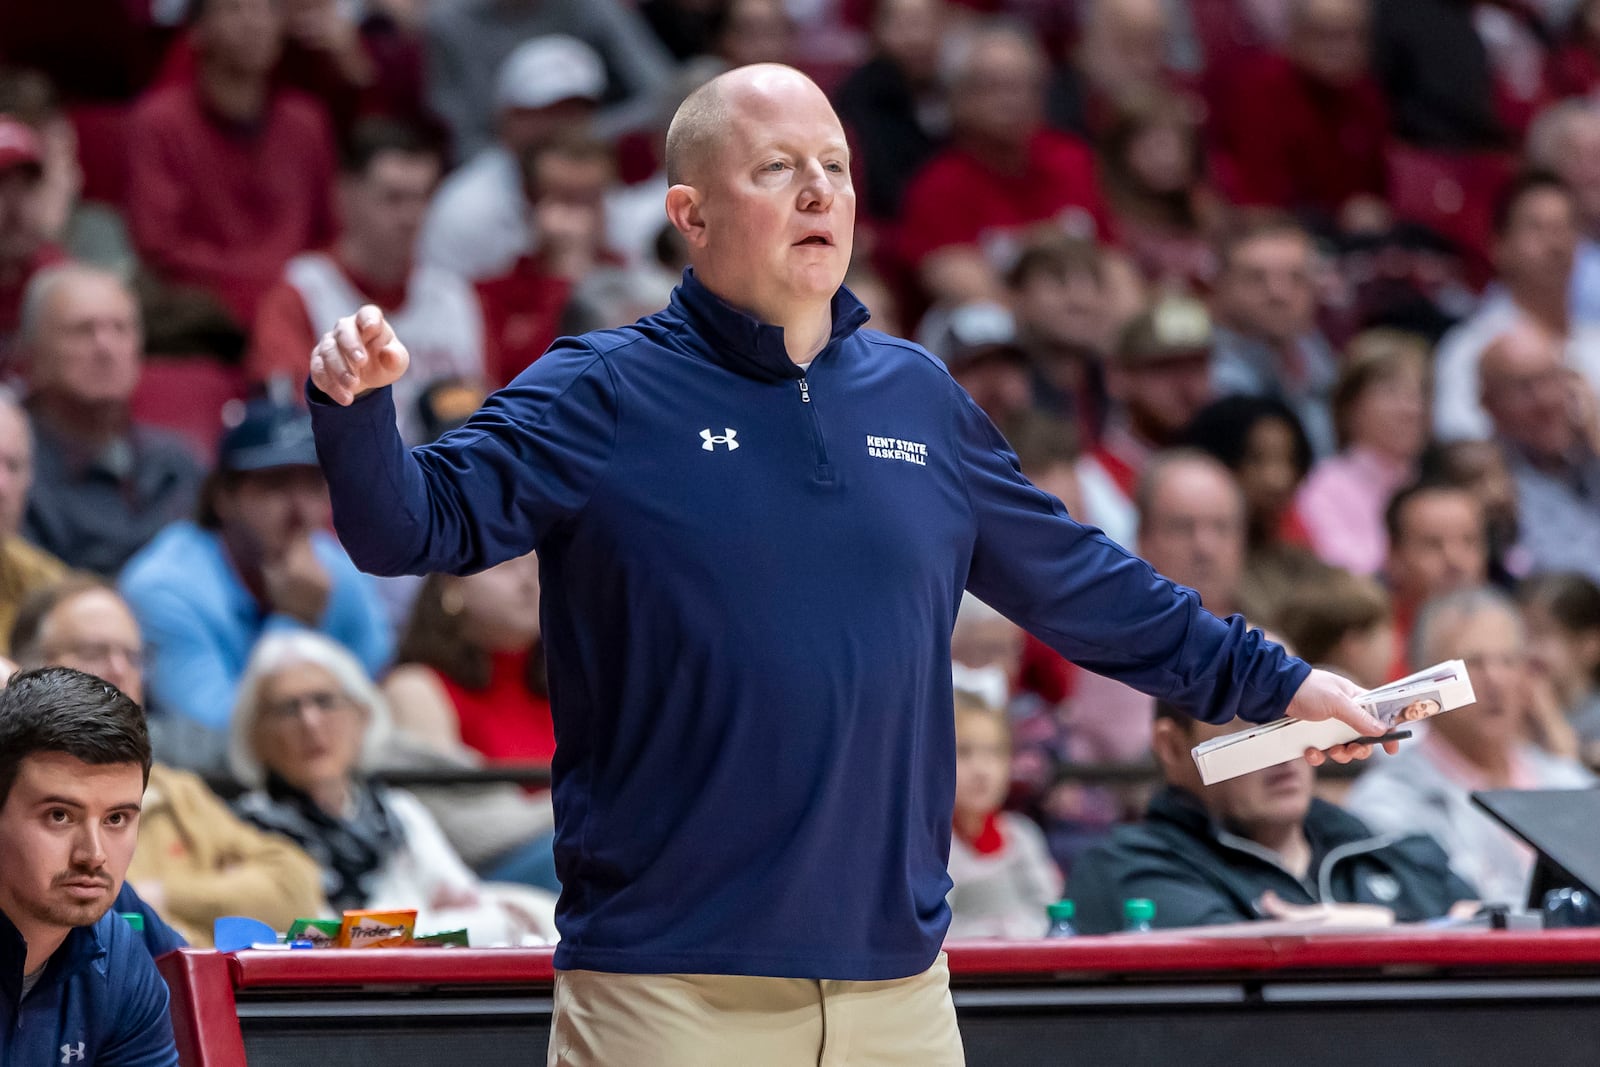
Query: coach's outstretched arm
(1106, 609)
(480, 495)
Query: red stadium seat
(102, 150)
(186, 395)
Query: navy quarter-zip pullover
(750, 574)
(99, 1003)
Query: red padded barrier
(203, 1018)
(397, 966)
(203, 982)
(1144, 954)
(1161, 953)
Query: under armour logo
(72, 1053)
(712, 440)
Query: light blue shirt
(200, 622)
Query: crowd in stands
(1299, 300)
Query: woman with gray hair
(307, 719)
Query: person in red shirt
(357, 63)
(968, 210)
(1308, 130)
(230, 177)
(472, 673)
(389, 172)
(564, 181)
(1153, 168)
(474, 665)
(1575, 67)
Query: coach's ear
(683, 210)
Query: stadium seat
(186, 395)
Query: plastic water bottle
(1138, 915)
(1061, 914)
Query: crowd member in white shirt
(1002, 872)
(1536, 239)
(1565, 139)
(387, 176)
(478, 225)
(308, 721)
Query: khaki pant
(711, 1020)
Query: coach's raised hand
(360, 354)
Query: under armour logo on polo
(712, 440)
(73, 1053)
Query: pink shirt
(1342, 503)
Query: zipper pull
(805, 391)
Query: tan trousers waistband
(711, 1020)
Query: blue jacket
(100, 1003)
(750, 574)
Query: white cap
(988, 684)
(547, 70)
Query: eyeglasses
(325, 701)
(96, 654)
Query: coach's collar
(745, 344)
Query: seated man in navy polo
(1255, 847)
(76, 983)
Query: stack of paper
(1442, 687)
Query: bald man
(1546, 419)
(754, 521)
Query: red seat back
(186, 395)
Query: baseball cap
(547, 70)
(19, 145)
(973, 332)
(267, 435)
(1175, 327)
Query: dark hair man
(76, 984)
